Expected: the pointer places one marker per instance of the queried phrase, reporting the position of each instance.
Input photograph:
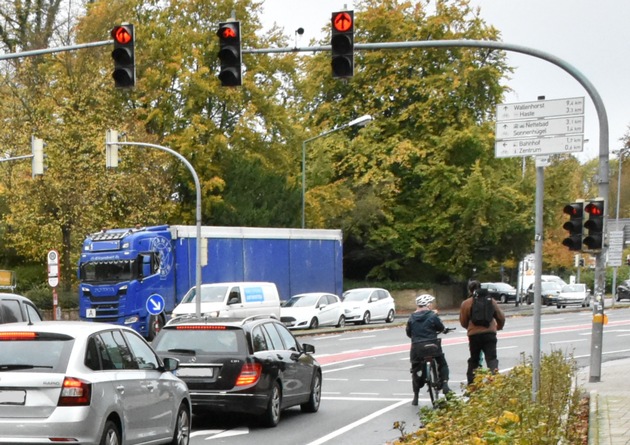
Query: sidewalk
(609, 418)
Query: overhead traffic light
(230, 54)
(124, 56)
(594, 224)
(575, 211)
(342, 44)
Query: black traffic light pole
(603, 178)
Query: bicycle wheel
(433, 381)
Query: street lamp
(360, 121)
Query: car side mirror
(170, 364)
(308, 348)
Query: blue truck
(136, 276)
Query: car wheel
(342, 321)
(316, 394)
(390, 316)
(503, 299)
(558, 306)
(181, 435)
(314, 323)
(366, 318)
(271, 418)
(111, 434)
(156, 322)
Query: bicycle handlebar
(447, 330)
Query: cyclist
(423, 327)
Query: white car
(577, 294)
(312, 310)
(88, 383)
(363, 305)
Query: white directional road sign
(615, 248)
(540, 109)
(539, 146)
(535, 128)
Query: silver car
(87, 383)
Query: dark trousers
(478, 343)
(416, 356)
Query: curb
(593, 421)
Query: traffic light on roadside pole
(594, 224)
(575, 211)
(342, 44)
(229, 34)
(124, 56)
(111, 149)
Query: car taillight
(75, 392)
(250, 373)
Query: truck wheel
(156, 322)
(366, 318)
(314, 323)
(342, 321)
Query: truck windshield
(108, 271)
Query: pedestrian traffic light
(342, 44)
(124, 56)
(230, 54)
(594, 224)
(575, 211)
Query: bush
(499, 409)
(42, 296)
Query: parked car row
(358, 306)
(502, 292)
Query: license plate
(12, 397)
(195, 372)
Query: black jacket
(423, 326)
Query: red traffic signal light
(575, 211)
(594, 224)
(342, 44)
(124, 56)
(230, 72)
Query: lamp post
(360, 121)
(621, 154)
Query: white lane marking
(566, 341)
(220, 434)
(357, 338)
(373, 380)
(364, 394)
(336, 380)
(506, 347)
(353, 425)
(342, 369)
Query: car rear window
(10, 311)
(34, 351)
(201, 339)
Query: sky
(592, 36)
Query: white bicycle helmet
(424, 300)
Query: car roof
(365, 288)
(72, 328)
(315, 294)
(192, 319)
(236, 283)
(7, 295)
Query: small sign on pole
(53, 280)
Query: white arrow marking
(157, 306)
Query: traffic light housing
(575, 211)
(124, 56)
(37, 148)
(342, 44)
(594, 224)
(230, 73)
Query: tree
(440, 202)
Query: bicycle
(430, 369)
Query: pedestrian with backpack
(481, 316)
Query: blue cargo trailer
(136, 276)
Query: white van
(240, 300)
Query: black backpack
(482, 311)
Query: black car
(252, 366)
(623, 290)
(502, 292)
(549, 291)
